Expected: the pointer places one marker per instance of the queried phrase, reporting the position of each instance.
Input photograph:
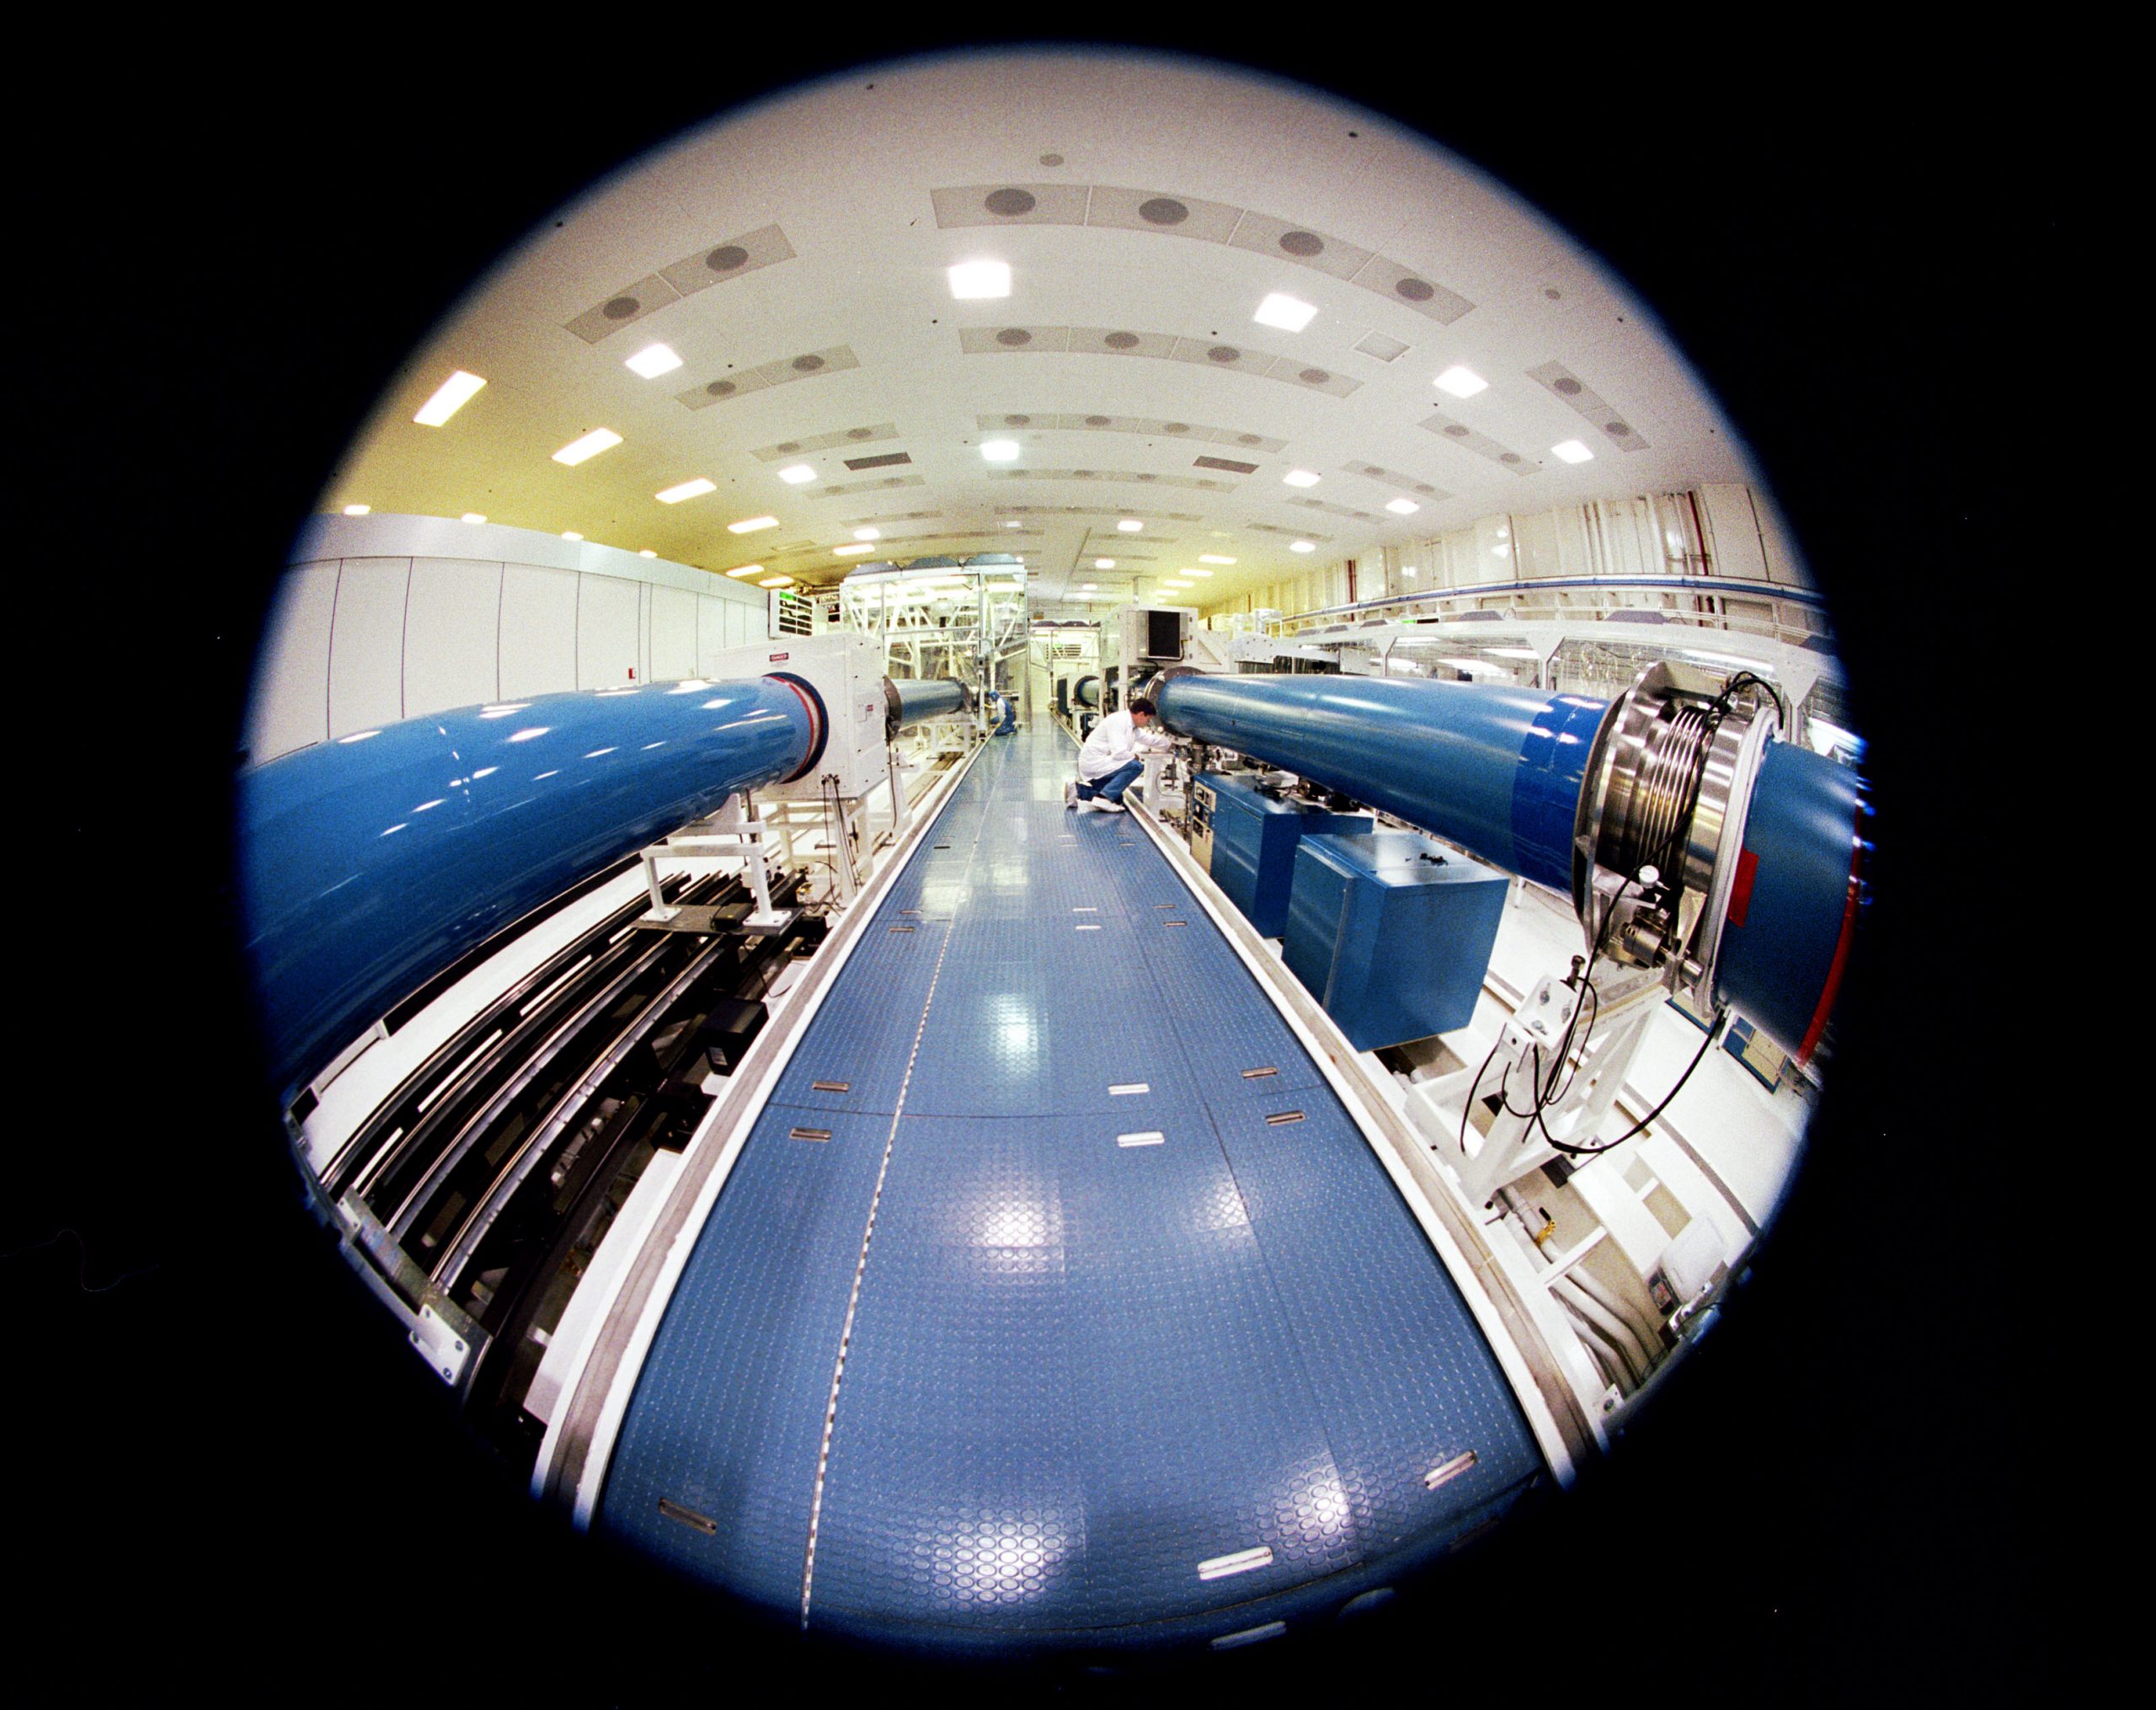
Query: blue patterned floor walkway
(1055, 1301)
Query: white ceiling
(847, 171)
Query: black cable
(1699, 1057)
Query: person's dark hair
(1142, 705)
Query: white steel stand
(1515, 1144)
(732, 830)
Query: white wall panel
(606, 632)
(1574, 556)
(1732, 531)
(289, 707)
(1534, 545)
(673, 634)
(452, 635)
(538, 631)
(366, 644)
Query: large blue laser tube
(1247, 839)
(1495, 770)
(1391, 933)
(1752, 842)
(369, 863)
(924, 698)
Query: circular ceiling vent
(1082, 474)
(1051, 160)
(1250, 439)
(1509, 457)
(1425, 489)
(1615, 430)
(808, 365)
(1416, 290)
(1148, 478)
(1009, 203)
(1121, 341)
(1457, 431)
(1302, 242)
(1163, 211)
(1314, 376)
(790, 446)
(1014, 336)
(1223, 353)
(1097, 421)
(719, 388)
(860, 433)
(726, 258)
(1567, 385)
(1175, 427)
(1018, 421)
(621, 308)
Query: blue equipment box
(1391, 933)
(1246, 840)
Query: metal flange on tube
(1689, 838)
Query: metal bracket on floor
(733, 831)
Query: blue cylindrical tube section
(1087, 692)
(927, 698)
(1789, 907)
(369, 863)
(1496, 770)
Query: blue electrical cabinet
(1246, 840)
(1391, 932)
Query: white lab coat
(1116, 741)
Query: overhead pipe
(369, 863)
(1688, 837)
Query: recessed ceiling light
(1103, 564)
(652, 361)
(590, 446)
(1572, 452)
(795, 473)
(747, 570)
(776, 582)
(868, 534)
(1301, 546)
(1130, 525)
(979, 279)
(571, 534)
(647, 554)
(1198, 573)
(853, 551)
(474, 517)
(1087, 587)
(1461, 382)
(1289, 313)
(1213, 559)
(357, 509)
(1000, 450)
(687, 489)
(1299, 478)
(1407, 570)
(453, 394)
(1402, 507)
(750, 524)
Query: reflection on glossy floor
(1030, 1316)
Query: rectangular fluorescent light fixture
(652, 361)
(1000, 450)
(571, 534)
(853, 551)
(590, 446)
(454, 394)
(1213, 559)
(776, 582)
(1087, 587)
(1402, 507)
(1198, 573)
(647, 554)
(1291, 314)
(1103, 564)
(1572, 452)
(1299, 478)
(747, 570)
(1130, 525)
(1461, 382)
(357, 509)
(750, 524)
(795, 473)
(1301, 546)
(979, 279)
(868, 534)
(688, 489)
(1408, 570)
(475, 516)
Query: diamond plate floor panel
(1128, 1365)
